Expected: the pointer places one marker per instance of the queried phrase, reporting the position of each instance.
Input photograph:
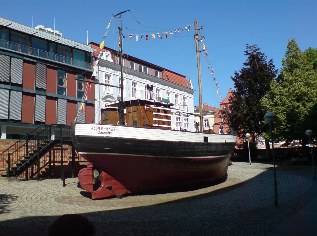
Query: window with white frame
(157, 73)
(131, 65)
(184, 103)
(140, 68)
(168, 96)
(134, 89)
(119, 61)
(176, 100)
(61, 82)
(148, 92)
(107, 82)
(80, 86)
(158, 94)
(178, 122)
(206, 123)
(185, 123)
(145, 69)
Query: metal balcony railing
(44, 54)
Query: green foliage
(293, 95)
(251, 83)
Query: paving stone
(242, 205)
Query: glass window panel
(79, 58)
(39, 47)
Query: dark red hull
(132, 174)
(127, 160)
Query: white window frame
(140, 69)
(108, 80)
(134, 87)
(186, 123)
(158, 94)
(145, 69)
(132, 65)
(206, 123)
(178, 122)
(176, 100)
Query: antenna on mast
(121, 105)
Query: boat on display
(132, 155)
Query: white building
(144, 81)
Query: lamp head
(270, 117)
(309, 132)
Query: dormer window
(140, 68)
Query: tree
(251, 83)
(293, 96)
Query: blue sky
(228, 26)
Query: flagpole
(199, 76)
(121, 105)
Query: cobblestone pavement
(242, 205)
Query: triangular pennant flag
(136, 37)
(147, 37)
(82, 107)
(102, 45)
(187, 27)
(130, 36)
(166, 34)
(153, 36)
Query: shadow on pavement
(243, 209)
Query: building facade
(142, 81)
(42, 79)
(46, 79)
(213, 118)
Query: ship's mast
(197, 40)
(121, 104)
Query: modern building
(42, 79)
(142, 81)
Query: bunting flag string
(102, 44)
(159, 35)
(211, 70)
(85, 97)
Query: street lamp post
(269, 118)
(309, 133)
(247, 135)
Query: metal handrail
(44, 54)
(38, 137)
(18, 144)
